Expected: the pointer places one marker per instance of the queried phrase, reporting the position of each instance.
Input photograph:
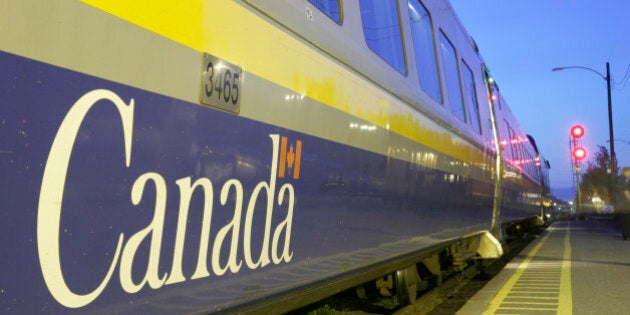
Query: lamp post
(613, 157)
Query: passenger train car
(202, 156)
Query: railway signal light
(577, 131)
(579, 153)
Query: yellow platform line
(529, 303)
(533, 297)
(538, 283)
(560, 290)
(553, 294)
(495, 304)
(516, 292)
(566, 295)
(528, 309)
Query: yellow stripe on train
(229, 31)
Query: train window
(332, 8)
(495, 91)
(492, 87)
(424, 48)
(451, 73)
(470, 94)
(508, 142)
(521, 151)
(381, 28)
(514, 143)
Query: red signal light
(579, 153)
(577, 131)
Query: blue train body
(325, 216)
(120, 199)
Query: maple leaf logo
(290, 159)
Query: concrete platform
(575, 267)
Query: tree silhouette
(596, 181)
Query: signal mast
(578, 153)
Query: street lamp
(613, 157)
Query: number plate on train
(220, 84)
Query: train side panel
(128, 190)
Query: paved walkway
(575, 267)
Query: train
(248, 156)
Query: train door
(493, 97)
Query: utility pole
(613, 156)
